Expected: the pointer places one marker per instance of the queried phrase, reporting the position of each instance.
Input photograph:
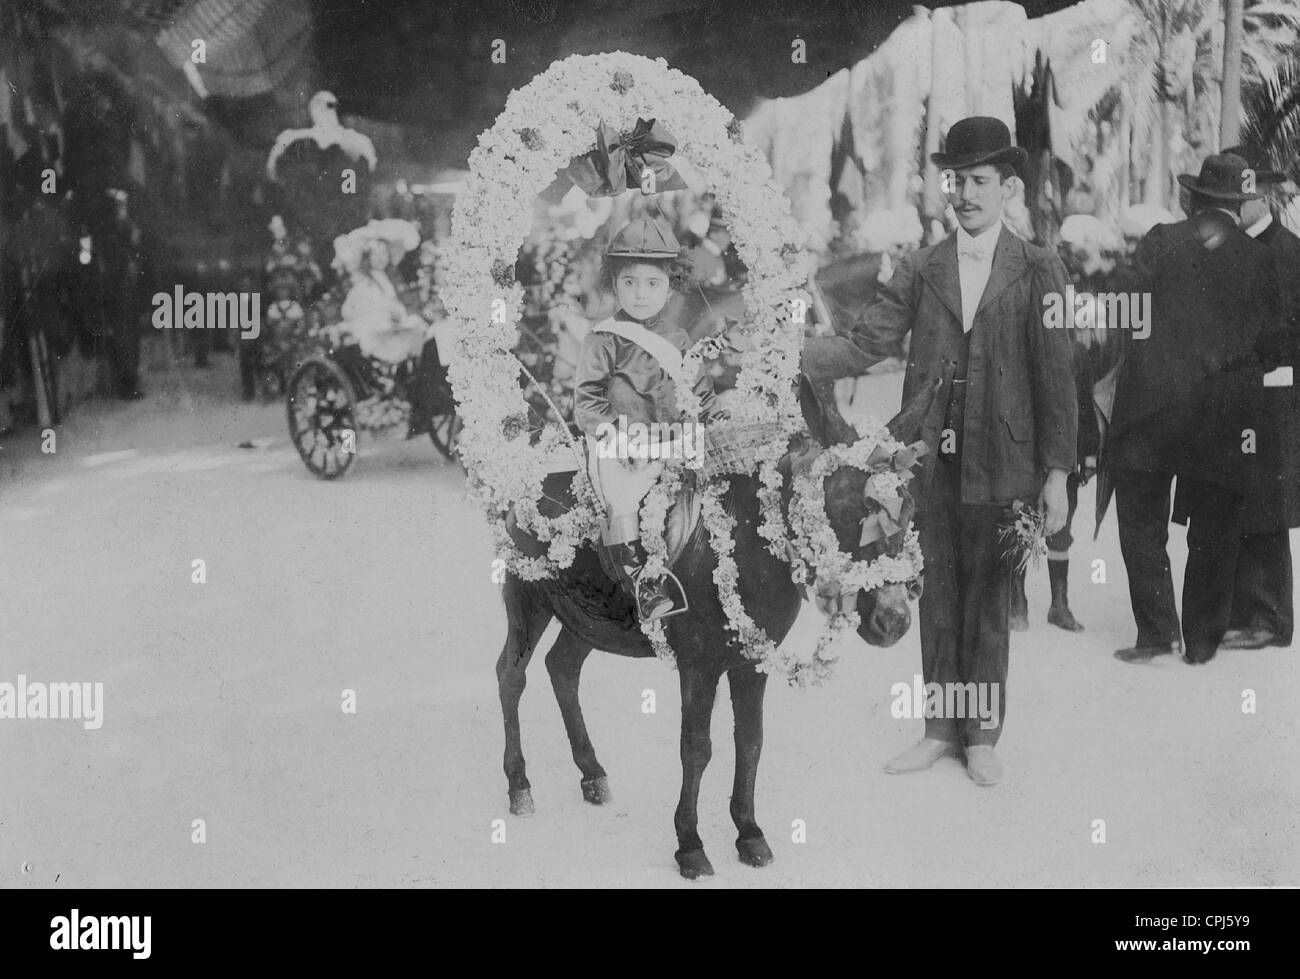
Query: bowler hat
(1258, 161)
(1222, 178)
(644, 238)
(979, 140)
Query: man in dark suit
(1263, 611)
(1185, 406)
(974, 305)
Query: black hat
(978, 140)
(1222, 178)
(1257, 159)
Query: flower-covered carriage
(370, 354)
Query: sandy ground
(223, 701)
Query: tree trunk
(1158, 187)
(973, 50)
(1158, 183)
(933, 204)
(1126, 153)
(1230, 112)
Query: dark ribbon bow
(887, 521)
(617, 163)
(734, 338)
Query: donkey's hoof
(596, 790)
(694, 864)
(521, 802)
(754, 851)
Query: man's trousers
(1264, 595)
(965, 606)
(1215, 518)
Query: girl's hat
(644, 238)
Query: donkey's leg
(698, 689)
(564, 663)
(747, 688)
(528, 615)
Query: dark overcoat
(1273, 490)
(1189, 394)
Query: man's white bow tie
(974, 252)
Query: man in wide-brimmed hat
(1001, 422)
(1186, 404)
(1262, 601)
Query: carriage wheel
(322, 418)
(445, 434)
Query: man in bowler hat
(1002, 428)
(1263, 611)
(1186, 404)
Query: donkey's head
(869, 524)
(865, 525)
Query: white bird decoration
(325, 131)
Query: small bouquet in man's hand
(1023, 536)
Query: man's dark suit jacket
(1186, 392)
(1021, 412)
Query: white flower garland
(543, 127)
(820, 559)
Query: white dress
(374, 315)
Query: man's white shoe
(982, 764)
(920, 756)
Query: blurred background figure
(126, 297)
(1089, 250)
(324, 173)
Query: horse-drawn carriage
(338, 391)
(367, 355)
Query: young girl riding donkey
(628, 371)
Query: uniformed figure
(974, 306)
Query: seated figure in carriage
(373, 314)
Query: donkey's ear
(823, 419)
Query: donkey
(595, 613)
